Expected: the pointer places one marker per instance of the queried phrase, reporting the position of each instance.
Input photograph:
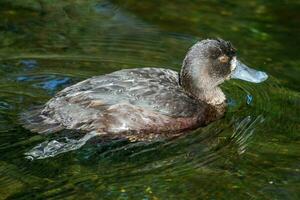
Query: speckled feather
(134, 102)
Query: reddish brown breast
(136, 123)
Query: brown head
(208, 64)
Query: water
(251, 153)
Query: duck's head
(208, 64)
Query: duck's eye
(223, 59)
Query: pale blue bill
(245, 73)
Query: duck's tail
(52, 148)
(34, 121)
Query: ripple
(5, 106)
(52, 148)
(51, 83)
(106, 8)
(244, 130)
(29, 64)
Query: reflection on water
(251, 153)
(54, 147)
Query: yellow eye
(224, 59)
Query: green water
(251, 153)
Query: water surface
(251, 153)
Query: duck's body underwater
(147, 103)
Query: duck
(145, 104)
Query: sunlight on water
(244, 130)
(52, 148)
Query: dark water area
(251, 153)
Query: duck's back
(144, 100)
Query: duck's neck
(213, 96)
(201, 88)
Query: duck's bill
(245, 73)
